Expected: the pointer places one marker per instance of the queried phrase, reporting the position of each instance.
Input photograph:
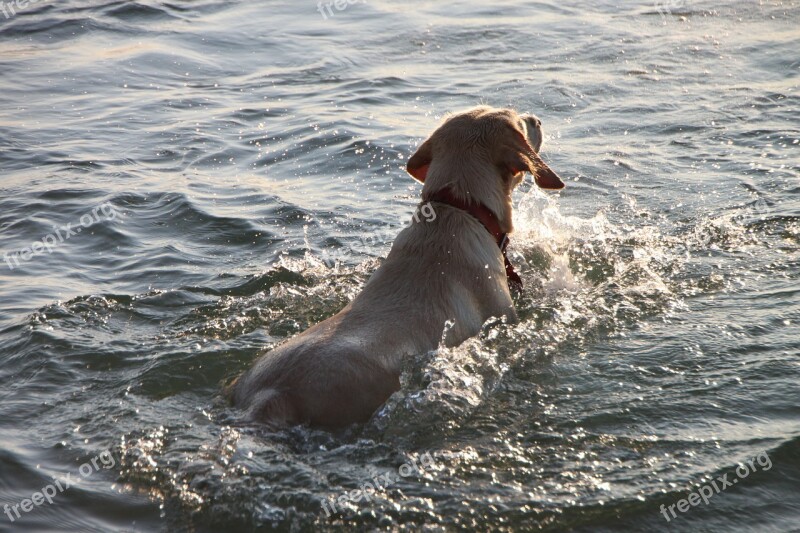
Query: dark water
(248, 160)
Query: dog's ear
(420, 161)
(544, 175)
(516, 160)
(523, 158)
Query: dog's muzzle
(533, 131)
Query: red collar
(489, 221)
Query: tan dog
(340, 371)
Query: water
(249, 157)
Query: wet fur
(341, 370)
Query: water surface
(249, 157)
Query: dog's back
(339, 371)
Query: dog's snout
(533, 125)
(534, 120)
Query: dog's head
(482, 155)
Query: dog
(454, 269)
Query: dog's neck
(474, 208)
(472, 184)
(489, 221)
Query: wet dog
(453, 269)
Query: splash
(585, 278)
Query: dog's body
(341, 370)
